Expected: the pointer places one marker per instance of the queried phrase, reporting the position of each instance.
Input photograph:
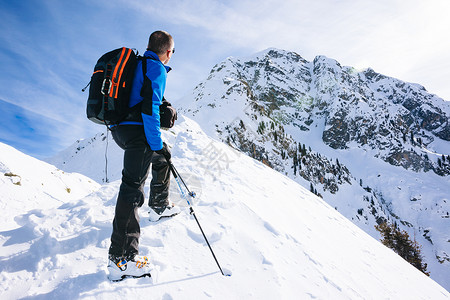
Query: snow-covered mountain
(106, 165)
(277, 239)
(374, 147)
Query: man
(140, 137)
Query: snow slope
(277, 239)
(32, 184)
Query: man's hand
(165, 152)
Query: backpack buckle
(106, 83)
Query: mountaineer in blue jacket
(139, 135)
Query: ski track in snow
(277, 240)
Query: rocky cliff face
(397, 119)
(363, 109)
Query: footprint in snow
(270, 228)
(198, 237)
(166, 297)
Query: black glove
(165, 152)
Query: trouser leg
(137, 159)
(126, 230)
(159, 186)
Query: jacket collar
(154, 56)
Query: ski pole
(177, 175)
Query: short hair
(159, 42)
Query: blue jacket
(157, 75)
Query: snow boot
(120, 268)
(158, 212)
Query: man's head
(162, 44)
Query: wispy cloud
(398, 38)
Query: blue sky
(48, 49)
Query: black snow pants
(136, 164)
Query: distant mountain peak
(274, 104)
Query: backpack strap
(146, 85)
(144, 64)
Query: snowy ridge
(377, 148)
(277, 239)
(98, 147)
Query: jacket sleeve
(153, 95)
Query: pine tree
(241, 123)
(261, 127)
(400, 242)
(412, 138)
(295, 166)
